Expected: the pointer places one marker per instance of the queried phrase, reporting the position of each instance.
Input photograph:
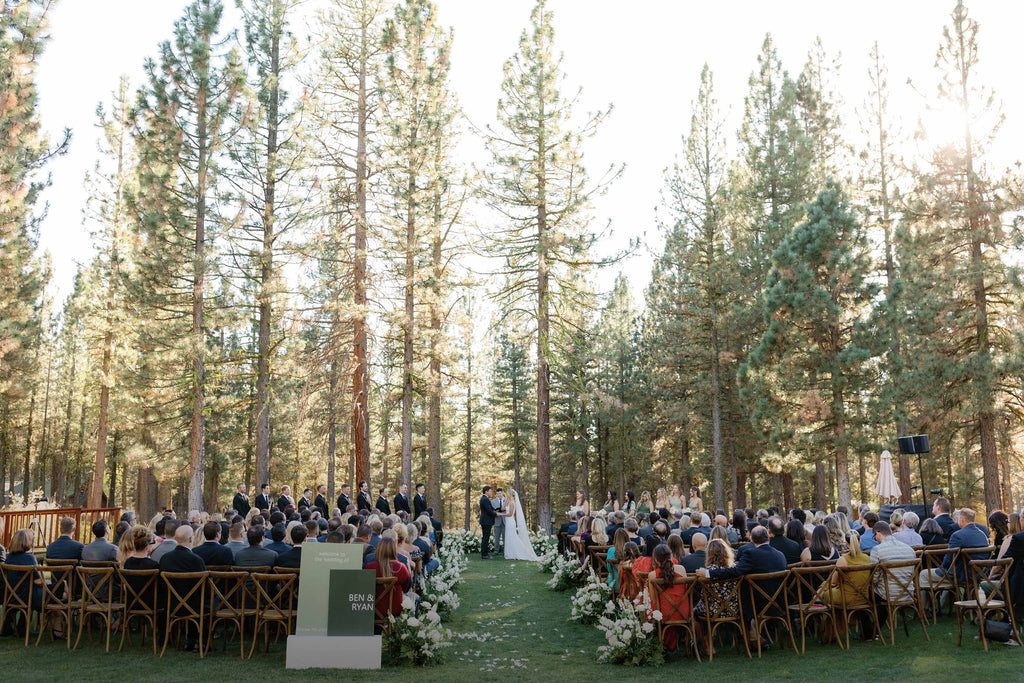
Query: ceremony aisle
(511, 627)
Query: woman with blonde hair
(20, 553)
(598, 535)
(836, 531)
(675, 500)
(853, 589)
(644, 506)
(135, 547)
(152, 522)
(662, 500)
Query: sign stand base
(333, 652)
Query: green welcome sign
(320, 561)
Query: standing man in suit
(241, 501)
(419, 501)
(402, 500)
(363, 498)
(382, 500)
(499, 503)
(262, 501)
(65, 547)
(212, 552)
(286, 500)
(306, 501)
(321, 500)
(343, 499)
(487, 517)
(940, 511)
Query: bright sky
(643, 57)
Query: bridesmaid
(675, 501)
(644, 508)
(696, 503)
(581, 505)
(662, 502)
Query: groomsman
(241, 501)
(263, 499)
(321, 500)
(363, 499)
(286, 498)
(343, 500)
(306, 501)
(402, 500)
(419, 501)
(382, 500)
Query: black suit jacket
(1016, 575)
(788, 547)
(949, 527)
(760, 559)
(401, 503)
(383, 506)
(241, 504)
(694, 561)
(419, 505)
(320, 503)
(363, 501)
(284, 501)
(486, 511)
(343, 503)
(255, 556)
(214, 553)
(64, 548)
(292, 558)
(303, 504)
(262, 502)
(181, 559)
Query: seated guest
(647, 529)
(277, 535)
(730, 533)
(969, 536)
(788, 547)
(386, 565)
(837, 529)
(762, 558)
(212, 552)
(907, 533)
(796, 533)
(293, 558)
(693, 528)
(100, 550)
(421, 544)
(854, 589)
(237, 538)
(697, 558)
(182, 559)
(888, 549)
(940, 511)
(136, 544)
(676, 547)
(820, 548)
(376, 529)
(65, 547)
(719, 556)
(719, 532)
(932, 533)
(739, 525)
(632, 527)
(20, 553)
(598, 535)
(615, 552)
(618, 518)
(659, 536)
(999, 522)
(254, 554)
(1013, 528)
(569, 529)
(673, 605)
(867, 538)
(165, 528)
(1015, 579)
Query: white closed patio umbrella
(887, 487)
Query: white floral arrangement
(439, 589)
(543, 543)
(566, 572)
(463, 539)
(546, 563)
(416, 637)
(630, 629)
(592, 600)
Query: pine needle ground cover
(510, 626)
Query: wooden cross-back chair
(386, 587)
(141, 601)
(58, 598)
(932, 558)
(18, 593)
(996, 598)
(676, 609)
(186, 600)
(629, 587)
(768, 598)
(723, 606)
(900, 582)
(228, 597)
(275, 598)
(804, 583)
(101, 599)
(856, 600)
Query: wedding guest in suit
(968, 536)
(262, 501)
(402, 500)
(100, 550)
(165, 529)
(419, 501)
(241, 501)
(277, 536)
(65, 547)
(321, 500)
(344, 499)
(212, 552)
(254, 554)
(382, 500)
(696, 559)
(236, 535)
(182, 559)
(788, 547)
(293, 558)
(940, 511)
(285, 501)
(363, 498)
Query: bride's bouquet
(592, 600)
(632, 634)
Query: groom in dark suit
(487, 518)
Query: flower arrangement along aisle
(465, 540)
(542, 543)
(417, 640)
(591, 600)
(631, 633)
(566, 573)
(439, 589)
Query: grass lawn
(510, 627)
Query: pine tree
(537, 182)
(511, 399)
(183, 113)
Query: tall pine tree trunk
(360, 371)
(716, 422)
(332, 431)
(842, 450)
(469, 433)
(60, 462)
(409, 321)
(543, 505)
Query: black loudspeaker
(885, 512)
(921, 444)
(907, 445)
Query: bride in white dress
(517, 536)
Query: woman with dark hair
(739, 524)
(999, 523)
(677, 548)
(629, 504)
(821, 547)
(695, 503)
(611, 504)
(135, 547)
(673, 604)
(615, 552)
(931, 532)
(386, 565)
(795, 532)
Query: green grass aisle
(510, 627)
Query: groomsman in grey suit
(500, 507)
